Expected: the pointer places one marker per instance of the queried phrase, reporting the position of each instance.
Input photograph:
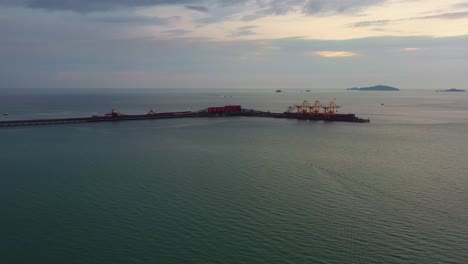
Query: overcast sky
(233, 43)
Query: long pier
(116, 117)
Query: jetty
(304, 111)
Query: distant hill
(451, 90)
(374, 88)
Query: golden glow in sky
(334, 54)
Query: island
(451, 90)
(374, 88)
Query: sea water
(234, 189)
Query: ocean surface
(238, 189)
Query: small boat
(5, 114)
(278, 91)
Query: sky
(307, 44)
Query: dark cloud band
(268, 7)
(203, 9)
(91, 5)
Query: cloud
(244, 31)
(410, 49)
(202, 9)
(266, 7)
(252, 17)
(309, 7)
(103, 5)
(338, 6)
(211, 19)
(461, 5)
(279, 7)
(453, 15)
(178, 31)
(162, 21)
(334, 54)
(370, 23)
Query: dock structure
(226, 111)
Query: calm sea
(234, 190)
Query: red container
(215, 109)
(224, 109)
(232, 108)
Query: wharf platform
(187, 114)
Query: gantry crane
(303, 108)
(307, 109)
(315, 108)
(331, 109)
